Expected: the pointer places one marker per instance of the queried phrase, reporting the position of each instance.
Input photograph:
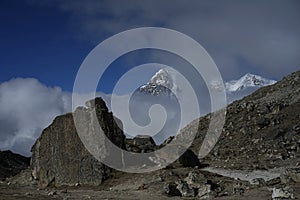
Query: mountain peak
(248, 81)
(162, 78)
(160, 83)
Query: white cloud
(26, 108)
(242, 36)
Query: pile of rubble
(196, 184)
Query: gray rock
(281, 194)
(52, 193)
(290, 175)
(296, 128)
(185, 189)
(196, 179)
(141, 144)
(274, 181)
(238, 188)
(59, 156)
(257, 181)
(171, 189)
(204, 191)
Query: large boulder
(59, 156)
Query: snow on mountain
(247, 81)
(162, 82)
(164, 79)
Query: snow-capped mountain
(247, 81)
(164, 79)
(160, 84)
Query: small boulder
(171, 189)
(189, 159)
(185, 189)
(204, 191)
(238, 188)
(196, 179)
(281, 194)
(290, 175)
(257, 181)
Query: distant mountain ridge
(163, 81)
(247, 81)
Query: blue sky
(48, 40)
(38, 42)
(44, 42)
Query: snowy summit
(247, 81)
(162, 82)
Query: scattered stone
(196, 179)
(290, 175)
(262, 122)
(274, 181)
(257, 181)
(160, 179)
(185, 189)
(141, 144)
(64, 191)
(294, 174)
(142, 187)
(238, 188)
(171, 189)
(204, 190)
(296, 128)
(281, 194)
(52, 193)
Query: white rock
(280, 193)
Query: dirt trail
(247, 175)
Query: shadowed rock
(11, 164)
(59, 156)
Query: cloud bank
(256, 36)
(26, 108)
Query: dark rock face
(11, 164)
(59, 156)
(189, 159)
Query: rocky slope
(261, 130)
(11, 164)
(59, 156)
(256, 157)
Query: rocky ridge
(12, 164)
(261, 131)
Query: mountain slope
(11, 164)
(261, 130)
